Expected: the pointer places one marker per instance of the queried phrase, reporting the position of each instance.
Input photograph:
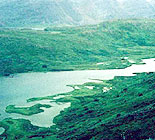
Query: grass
(35, 109)
(76, 48)
(126, 111)
(23, 129)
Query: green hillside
(60, 36)
(74, 48)
(124, 112)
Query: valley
(86, 82)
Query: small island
(28, 111)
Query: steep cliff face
(73, 12)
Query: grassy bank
(75, 48)
(35, 109)
(122, 108)
(126, 110)
(23, 129)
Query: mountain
(73, 12)
(26, 12)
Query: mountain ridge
(18, 13)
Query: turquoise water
(16, 90)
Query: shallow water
(17, 89)
(1, 130)
(44, 119)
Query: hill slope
(15, 13)
(58, 49)
(127, 111)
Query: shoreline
(51, 98)
(68, 70)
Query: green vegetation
(23, 129)
(125, 111)
(52, 98)
(59, 49)
(35, 109)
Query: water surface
(18, 89)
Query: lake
(17, 89)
